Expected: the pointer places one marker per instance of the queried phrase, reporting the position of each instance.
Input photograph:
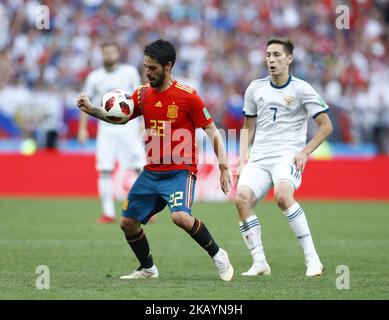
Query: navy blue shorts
(153, 190)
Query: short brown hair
(109, 43)
(286, 42)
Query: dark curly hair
(162, 51)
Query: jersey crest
(289, 101)
(172, 111)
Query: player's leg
(199, 233)
(142, 203)
(286, 180)
(178, 192)
(105, 187)
(253, 185)
(105, 162)
(137, 240)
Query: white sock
(251, 233)
(298, 222)
(105, 185)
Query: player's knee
(283, 199)
(183, 220)
(129, 226)
(243, 201)
(283, 194)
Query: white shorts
(261, 177)
(114, 146)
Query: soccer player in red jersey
(172, 112)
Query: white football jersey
(100, 81)
(282, 115)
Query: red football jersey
(171, 118)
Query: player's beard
(109, 65)
(156, 83)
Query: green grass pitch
(86, 259)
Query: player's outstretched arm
(324, 130)
(220, 151)
(85, 105)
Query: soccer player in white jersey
(114, 143)
(276, 110)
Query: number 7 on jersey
(275, 113)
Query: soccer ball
(117, 106)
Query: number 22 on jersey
(157, 127)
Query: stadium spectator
(122, 144)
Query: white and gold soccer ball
(117, 106)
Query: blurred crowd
(220, 45)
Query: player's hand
(300, 160)
(225, 179)
(83, 135)
(84, 104)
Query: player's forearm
(220, 151)
(97, 113)
(322, 134)
(218, 146)
(246, 139)
(243, 146)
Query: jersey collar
(281, 86)
(167, 89)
